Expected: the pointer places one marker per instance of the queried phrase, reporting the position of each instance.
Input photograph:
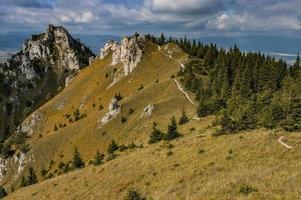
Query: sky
(174, 17)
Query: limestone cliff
(36, 73)
(129, 52)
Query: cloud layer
(191, 17)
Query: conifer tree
(172, 132)
(98, 158)
(112, 147)
(183, 119)
(156, 135)
(77, 161)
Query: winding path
(169, 56)
(284, 144)
(178, 84)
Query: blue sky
(176, 17)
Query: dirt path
(284, 144)
(169, 56)
(185, 93)
(178, 84)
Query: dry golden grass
(201, 166)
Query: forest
(246, 90)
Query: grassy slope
(257, 159)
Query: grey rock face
(129, 52)
(38, 71)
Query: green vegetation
(246, 189)
(77, 162)
(156, 135)
(112, 147)
(98, 159)
(30, 179)
(184, 119)
(172, 133)
(133, 195)
(2, 193)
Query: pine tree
(98, 158)
(172, 132)
(156, 135)
(112, 147)
(32, 178)
(77, 161)
(184, 119)
(162, 39)
(23, 182)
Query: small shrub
(43, 172)
(133, 195)
(100, 107)
(131, 111)
(122, 148)
(169, 153)
(123, 120)
(246, 189)
(55, 128)
(2, 193)
(112, 147)
(141, 87)
(201, 151)
(132, 146)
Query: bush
(30, 179)
(2, 193)
(131, 111)
(112, 147)
(123, 120)
(133, 195)
(141, 87)
(246, 189)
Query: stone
(129, 52)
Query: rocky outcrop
(114, 110)
(148, 110)
(38, 72)
(129, 52)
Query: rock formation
(114, 109)
(129, 52)
(36, 73)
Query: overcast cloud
(191, 17)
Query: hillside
(37, 73)
(247, 165)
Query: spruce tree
(183, 119)
(112, 147)
(32, 178)
(98, 158)
(156, 135)
(172, 132)
(77, 161)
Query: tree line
(246, 90)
